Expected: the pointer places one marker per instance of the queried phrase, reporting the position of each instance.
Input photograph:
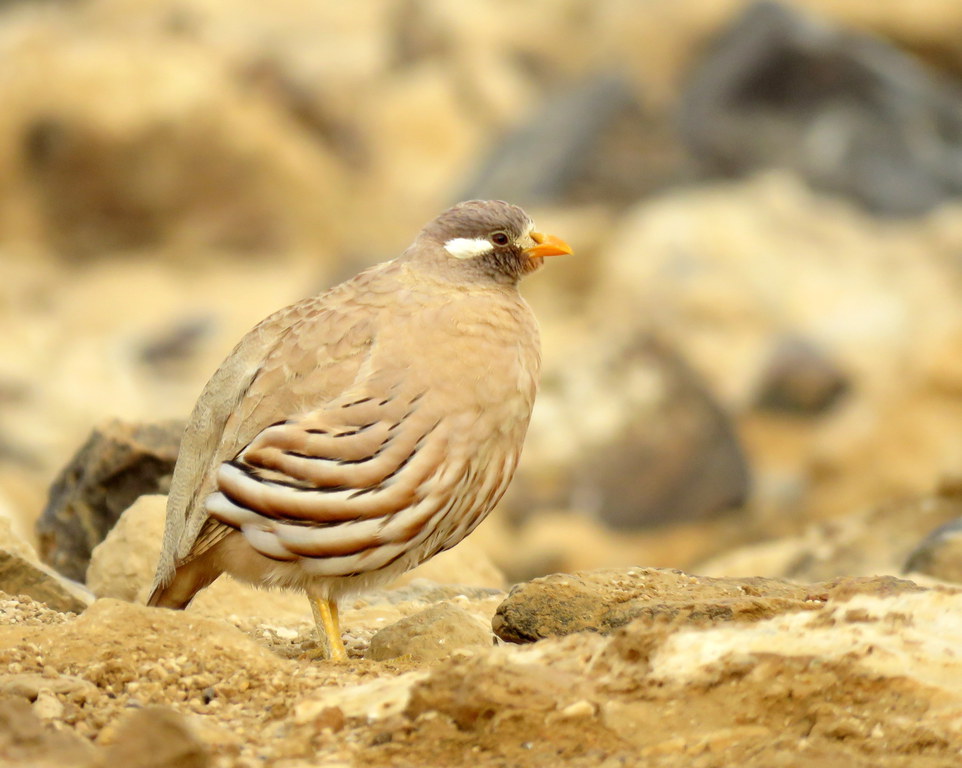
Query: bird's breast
(474, 351)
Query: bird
(357, 433)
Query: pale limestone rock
(431, 634)
(879, 540)
(915, 634)
(26, 576)
(372, 612)
(375, 700)
(47, 706)
(13, 542)
(123, 564)
(30, 685)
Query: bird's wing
(352, 485)
(305, 354)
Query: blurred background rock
(761, 330)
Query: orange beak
(547, 245)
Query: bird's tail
(189, 579)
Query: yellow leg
(328, 629)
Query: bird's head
(486, 240)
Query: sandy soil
(864, 676)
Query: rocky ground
(605, 668)
(751, 374)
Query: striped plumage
(355, 434)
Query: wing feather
(304, 354)
(290, 486)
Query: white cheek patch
(467, 247)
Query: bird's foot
(323, 653)
(330, 646)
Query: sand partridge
(355, 434)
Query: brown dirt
(246, 698)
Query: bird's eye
(500, 238)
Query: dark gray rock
(940, 554)
(118, 463)
(681, 460)
(594, 141)
(848, 112)
(174, 345)
(799, 379)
